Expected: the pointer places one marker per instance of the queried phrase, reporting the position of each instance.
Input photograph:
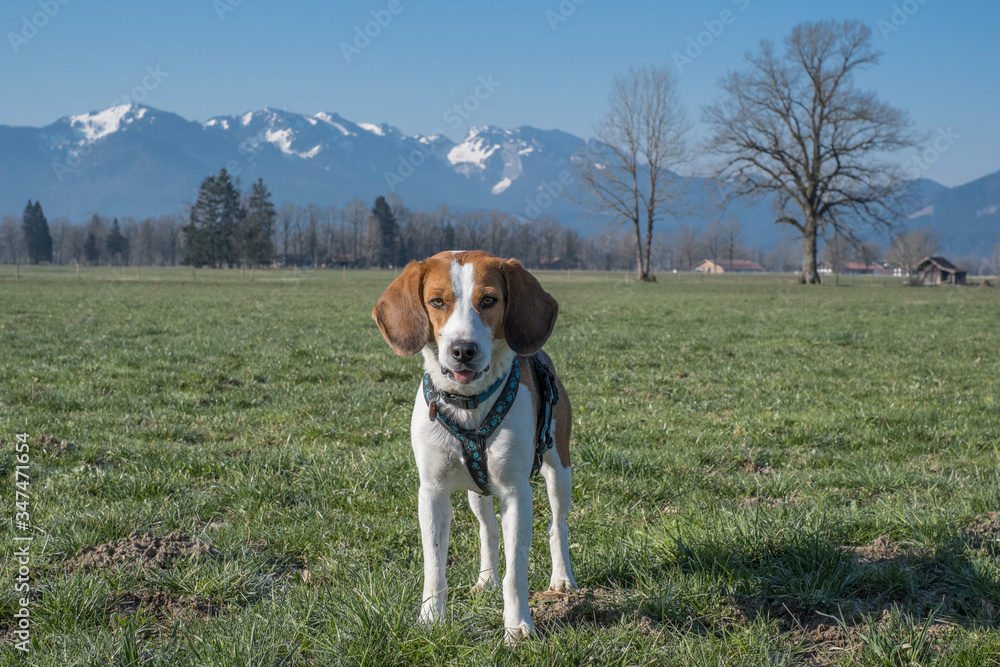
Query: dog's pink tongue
(465, 377)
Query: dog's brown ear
(530, 311)
(400, 312)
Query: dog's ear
(400, 312)
(530, 311)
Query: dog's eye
(437, 302)
(487, 302)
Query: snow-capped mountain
(140, 161)
(136, 160)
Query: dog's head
(465, 311)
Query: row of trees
(390, 234)
(227, 228)
(99, 241)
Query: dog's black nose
(464, 350)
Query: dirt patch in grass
(987, 529)
(587, 606)
(142, 549)
(161, 605)
(879, 551)
(826, 639)
(53, 446)
(755, 468)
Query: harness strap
(473, 442)
(549, 396)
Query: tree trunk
(810, 274)
(647, 277)
(639, 270)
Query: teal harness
(473, 442)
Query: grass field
(765, 474)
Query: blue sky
(551, 62)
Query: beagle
(484, 417)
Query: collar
(460, 400)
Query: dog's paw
(562, 585)
(430, 614)
(512, 635)
(485, 585)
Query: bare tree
(797, 127)
(713, 241)
(169, 238)
(732, 237)
(868, 252)
(144, 242)
(548, 230)
(59, 228)
(498, 232)
(470, 229)
(836, 251)
(355, 215)
(285, 229)
(11, 239)
(688, 246)
(627, 173)
(781, 259)
(908, 248)
(311, 238)
(330, 245)
(73, 242)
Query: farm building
(853, 268)
(860, 268)
(726, 266)
(939, 271)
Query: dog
(489, 412)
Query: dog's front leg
(489, 541)
(515, 515)
(434, 509)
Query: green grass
(737, 440)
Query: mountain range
(140, 161)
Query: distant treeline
(229, 228)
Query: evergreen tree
(213, 228)
(196, 240)
(29, 228)
(116, 243)
(36, 233)
(97, 230)
(230, 221)
(448, 236)
(255, 246)
(90, 249)
(385, 237)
